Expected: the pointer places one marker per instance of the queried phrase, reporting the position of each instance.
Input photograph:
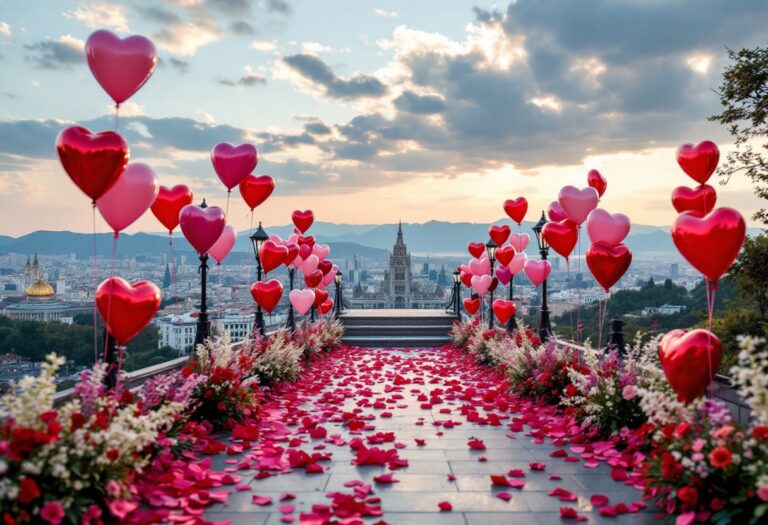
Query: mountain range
(435, 238)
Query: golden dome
(40, 289)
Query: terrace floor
(415, 394)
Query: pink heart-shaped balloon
(503, 274)
(302, 300)
(537, 270)
(304, 251)
(481, 283)
(223, 244)
(232, 163)
(609, 228)
(328, 278)
(517, 263)
(577, 203)
(128, 198)
(519, 241)
(321, 250)
(202, 227)
(120, 66)
(555, 212)
(480, 266)
(310, 264)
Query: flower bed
(99, 456)
(693, 460)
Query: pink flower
(762, 493)
(121, 508)
(723, 431)
(113, 489)
(53, 512)
(92, 516)
(629, 392)
(698, 445)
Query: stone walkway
(443, 399)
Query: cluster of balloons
(298, 252)
(710, 239)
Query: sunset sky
(370, 112)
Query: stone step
(402, 341)
(394, 330)
(397, 321)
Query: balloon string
(599, 324)
(109, 302)
(578, 292)
(226, 211)
(710, 312)
(250, 232)
(119, 368)
(179, 305)
(218, 288)
(117, 111)
(570, 296)
(95, 273)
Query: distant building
(178, 331)
(665, 309)
(674, 271)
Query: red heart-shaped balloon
(561, 236)
(127, 308)
(505, 254)
(93, 162)
(313, 279)
(690, 361)
(267, 294)
(303, 219)
(476, 249)
(466, 279)
(499, 233)
(701, 199)
(293, 252)
(325, 307)
(710, 243)
(699, 161)
(232, 163)
(309, 240)
(120, 66)
(504, 309)
(168, 204)
(255, 190)
(494, 285)
(320, 297)
(325, 266)
(305, 250)
(272, 255)
(201, 227)
(516, 208)
(472, 305)
(597, 181)
(608, 263)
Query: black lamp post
(545, 328)
(490, 248)
(203, 324)
(291, 321)
(257, 240)
(337, 301)
(511, 322)
(457, 294)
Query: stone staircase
(396, 328)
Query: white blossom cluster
(750, 377)
(32, 396)
(279, 360)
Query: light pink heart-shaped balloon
(233, 163)
(223, 244)
(481, 283)
(201, 226)
(276, 239)
(503, 274)
(310, 264)
(293, 238)
(607, 227)
(302, 300)
(577, 203)
(519, 241)
(480, 266)
(128, 198)
(537, 270)
(321, 250)
(555, 212)
(328, 278)
(297, 261)
(517, 263)
(120, 66)
(464, 268)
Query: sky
(377, 111)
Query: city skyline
(418, 112)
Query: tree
(749, 272)
(744, 97)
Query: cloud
(264, 45)
(315, 47)
(279, 6)
(419, 104)
(317, 128)
(5, 28)
(384, 13)
(321, 75)
(101, 15)
(231, 7)
(159, 14)
(57, 54)
(249, 79)
(242, 27)
(184, 38)
(181, 66)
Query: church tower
(399, 273)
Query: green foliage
(744, 97)
(749, 272)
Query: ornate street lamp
(258, 239)
(545, 328)
(337, 301)
(490, 248)
(203, 324)
(457, 294)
